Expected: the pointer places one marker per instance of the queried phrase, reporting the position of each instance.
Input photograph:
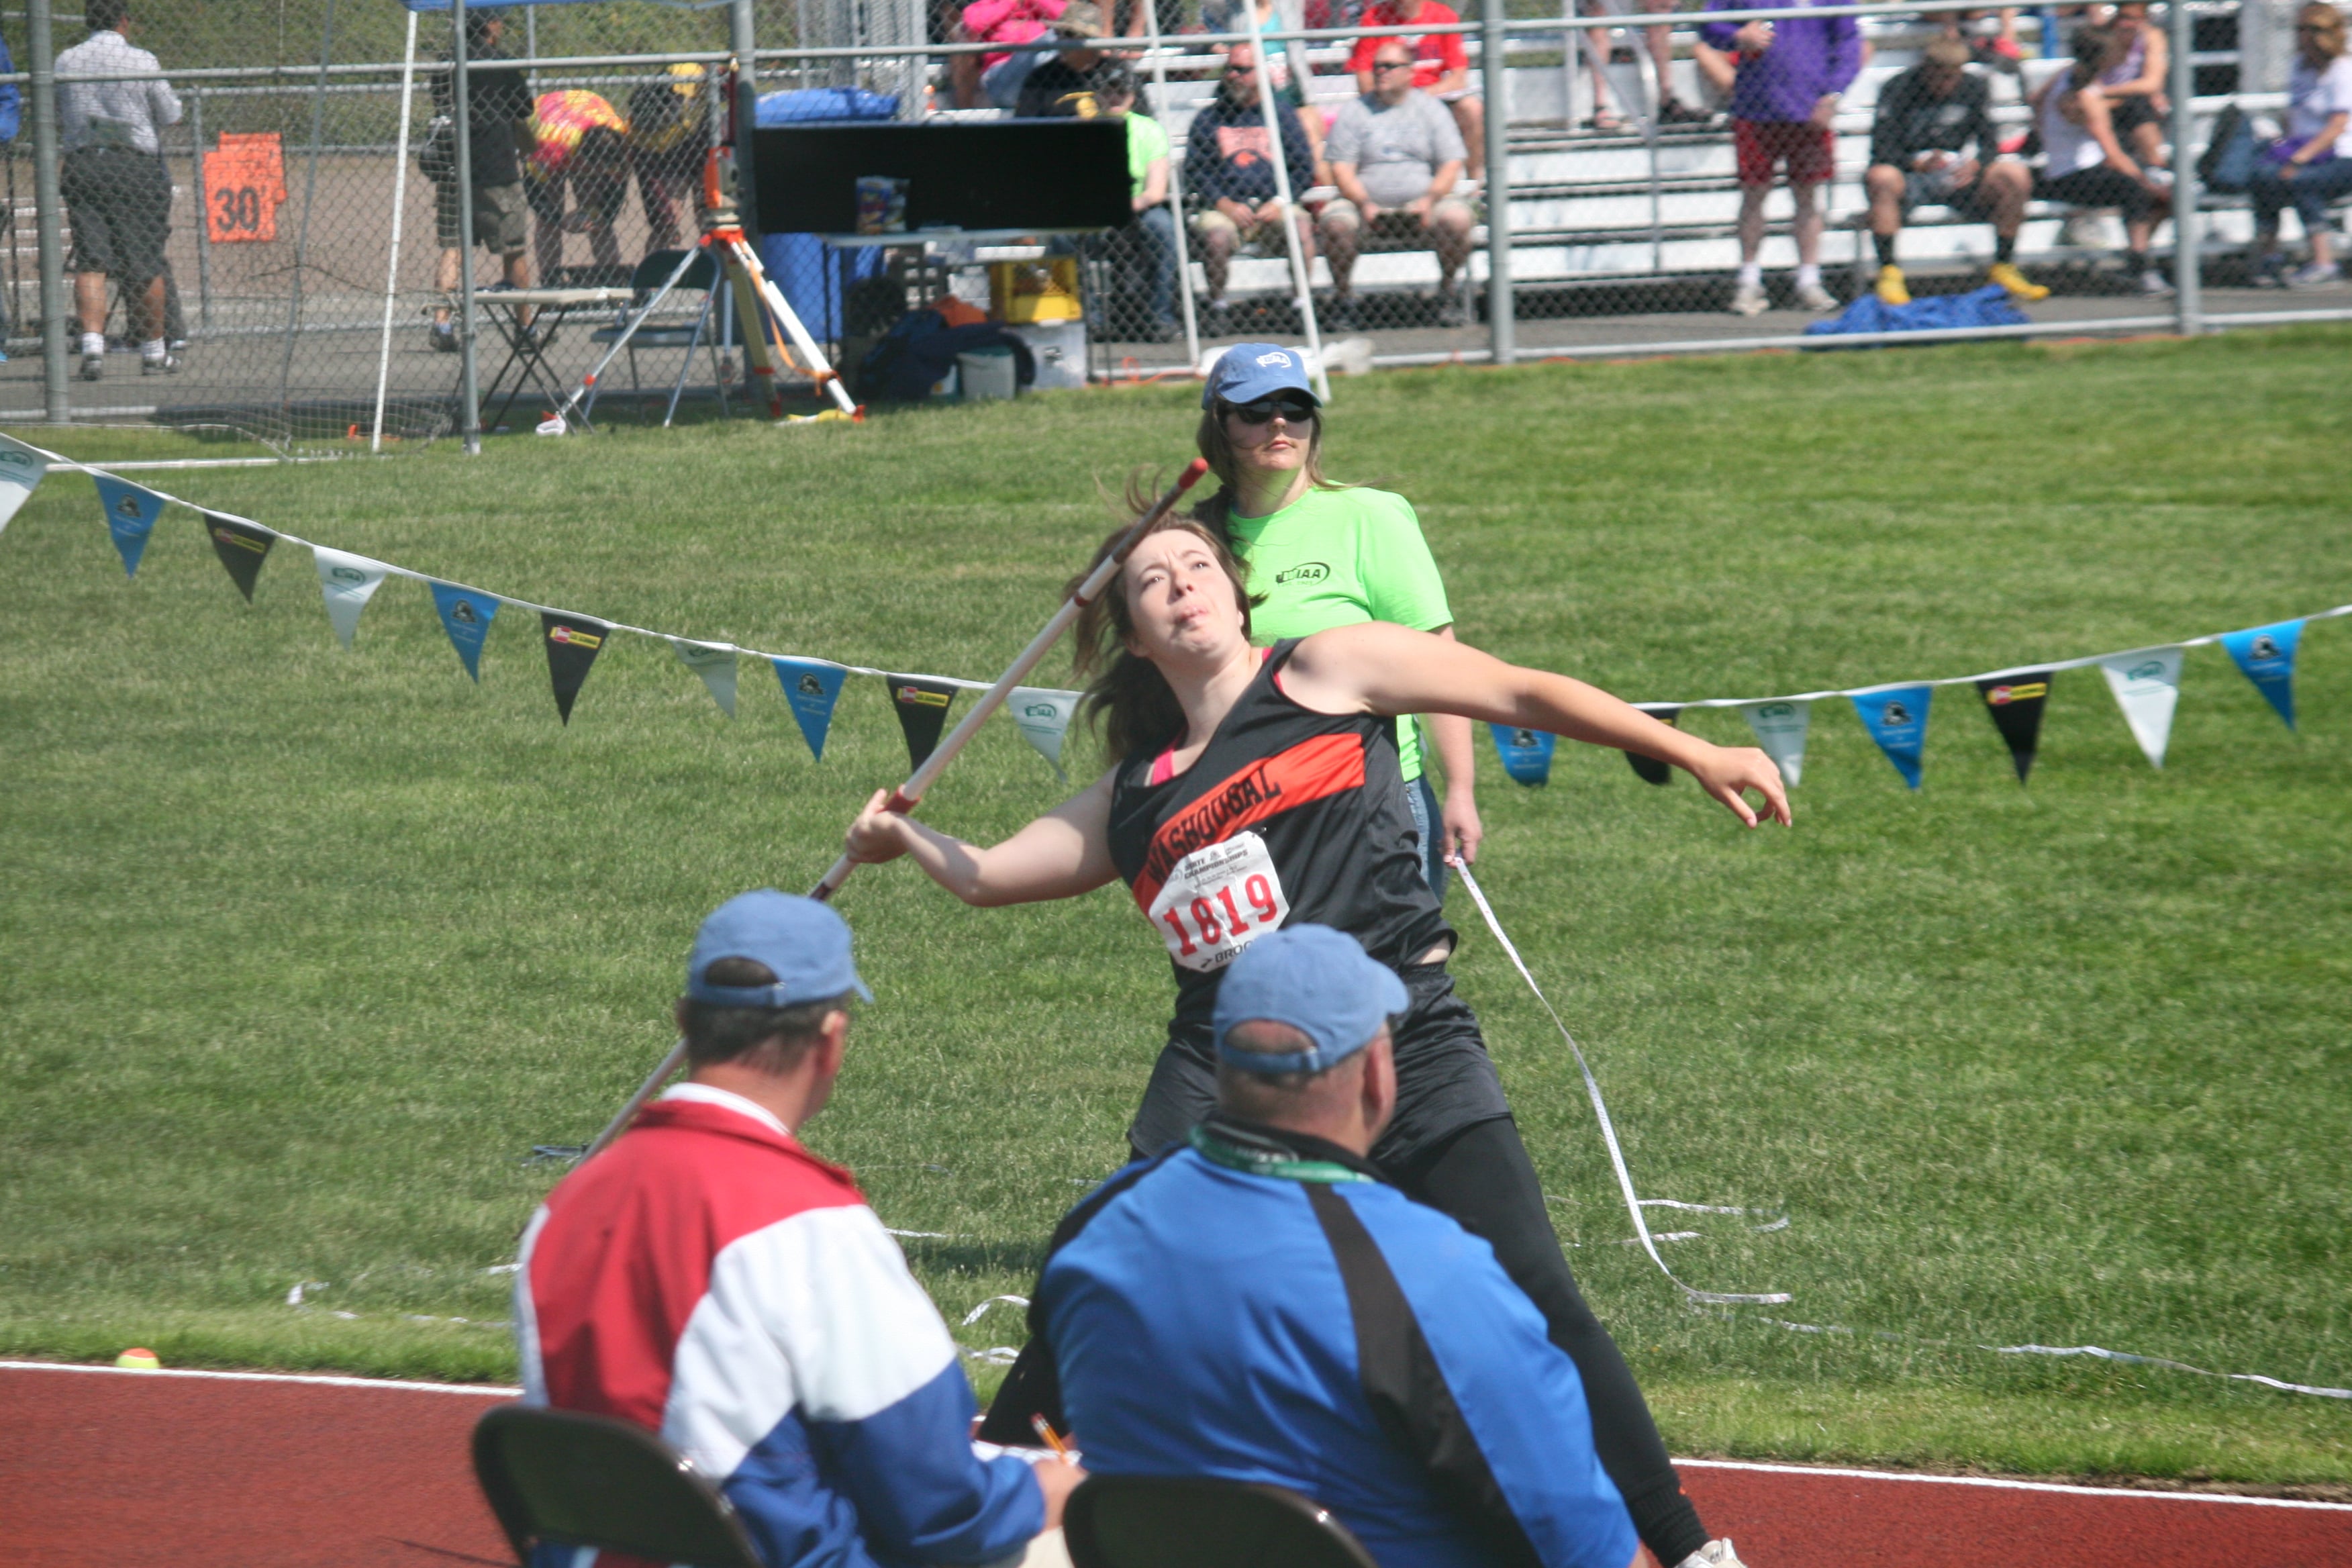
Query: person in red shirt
(1441, 69)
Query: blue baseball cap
(1248, 372)
(1319, 981)
(804, 942)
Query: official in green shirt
(1325, 555)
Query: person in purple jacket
(1791, 75)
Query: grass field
(302, 951)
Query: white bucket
(988, 372)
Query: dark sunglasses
(1239, 70)
(1393, 65)
(1264, 410)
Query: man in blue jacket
(1228, 169)
(1259, 1305)
(1785, 95)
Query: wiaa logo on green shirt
(1308, 572)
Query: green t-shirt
(1333, 558)
(1145, 141)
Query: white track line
(1996, 1482)
(489, 1391)
(483, 1390)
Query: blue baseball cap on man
(1248, 372)
(1319, 981)
(804, 943)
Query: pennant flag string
(2145, 679)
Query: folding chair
(649, 275)
(1162, 1521)
(572, 1480)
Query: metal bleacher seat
(1164, 1521)
(566, 1480)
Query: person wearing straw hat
(1318, 1328)
(709, 1278)
(1251, 789)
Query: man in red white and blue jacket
(709, 1278)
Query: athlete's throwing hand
(1728, 773)
(877, 834)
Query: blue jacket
(1326, 1334)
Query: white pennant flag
(1780, 730)
(349, 582)
(2146, 685)
(715, 662)
(21, 468)
(1045, 715)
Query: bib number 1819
(1217, 900)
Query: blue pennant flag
(130, 514)
(812, 687)
(1527, 754)
(1897, 720)
(465, 615)
(2266, 656)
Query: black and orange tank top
(1288, 816)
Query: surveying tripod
(760, 305)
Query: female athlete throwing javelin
(1252, 787)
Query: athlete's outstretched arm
(1376, 667)
(1062, 854)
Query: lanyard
(1284, 1165)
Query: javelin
(909, 795)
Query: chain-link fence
(259, 228)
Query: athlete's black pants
(1483, 1178)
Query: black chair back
(653, 272)
(1161, 1521)
(589, 1480)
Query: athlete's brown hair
(1127, 696)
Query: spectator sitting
(1067, 84)
(498, 126)
(1672, 110)
(1441, 67)
(2311, 165)
(710, 1280)
(1229, 170)
(581, 141)
(1258, 1304)
(2134, 86)
(1783, 100)
(996, 78)
(1287, 60)
(669, 134)
(1926, 117)
(1396, 156)
(1148, 240)
(2084, 164)
(117, 191)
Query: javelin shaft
(907, 796)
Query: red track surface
(130, 1470)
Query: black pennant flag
(242, 548)
(2015, 703)
(573, 644)
(922, 708)
(1652, 770)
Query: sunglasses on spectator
(1393, 65)
(1240, 70)
(1264, 410)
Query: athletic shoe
(1674, 111)
(2019, 285)
(1892, 289)
(1453, 309)
(2316, 275)
(1747, 299)
(1816, 299)
(444, 340)
(2152, 284)
(2270, 271)
(1713, 1554)
(92, 366)
(160, 364)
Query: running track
(201, 1470)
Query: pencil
(1044, 1429)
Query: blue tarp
(805, 267)
(1987, 307)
